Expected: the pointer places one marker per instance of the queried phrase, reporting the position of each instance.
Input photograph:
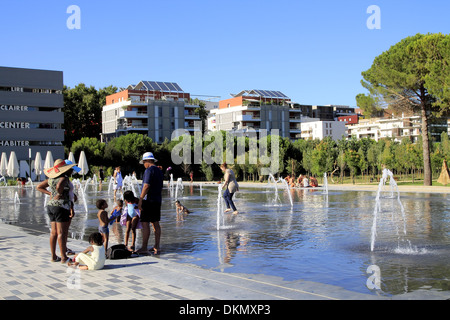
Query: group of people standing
(60, 209)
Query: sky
(312, 51)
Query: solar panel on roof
(171, 86)
(178, 87)
(159, 86)
(267, 94)
(154, 85)
(145, 85)
(259, 92)
(282, 94)
(163, 86)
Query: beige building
(152, 108)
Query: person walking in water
(118, 181)
(231, 186)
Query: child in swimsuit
(181, 211)
(131, 218)
(104, 221)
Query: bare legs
(58, 234)
(146, 236)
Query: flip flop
(58, 259)
(155, 251)
(65, 260)
(69, 252)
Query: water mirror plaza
(325, 236)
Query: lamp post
(29, 161)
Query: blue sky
(313, 51)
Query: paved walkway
(26, 273)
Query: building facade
(31, 112)
(252, 110)
(396, 128)
(319, 129)
(268, 109)
(152, 108)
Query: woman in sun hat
(59, 204)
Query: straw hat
(60, 167)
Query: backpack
(118, 251)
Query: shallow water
(322, 238)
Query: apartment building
(269, 109)
(318, 129)
(252, 109)
(31, 112)
(396, 128)
(152, 108)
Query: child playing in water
(181, 211)
(93, 258)
(130, 218)
(104, 221)
(117, 211)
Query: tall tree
(83, 111)
(413, 76)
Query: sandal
(65, 260)
(155, 251)
(69, 252)
(58, 259)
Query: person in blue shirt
(150, 202)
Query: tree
(413, 76)
(83, 111)
(202, 113)
(127, 150)
(92, 147)
(368, 104)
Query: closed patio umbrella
(3, 167)
(13, 166)
(71, 157)
(3, 164)
(48, 160)
(82, 164)
(38, 165)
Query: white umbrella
(82, 164)
(38, 165)
(71, 157)
(3, 167)
(3, 164)
(48, 160)
(13, 165)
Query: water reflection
(322, 237)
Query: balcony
(125, 114)
(295, 118)
(246, 117)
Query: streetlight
(29, 161)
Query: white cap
(147, 156)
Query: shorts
(58, 214)
(117, 186)
(104, 229)
(151, 211)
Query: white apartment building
(378, 128)
(317, 129)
